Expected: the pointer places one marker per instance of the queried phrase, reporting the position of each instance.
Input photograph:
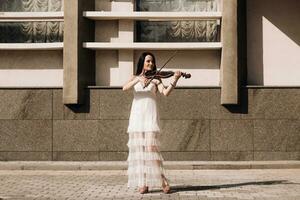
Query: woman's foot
(143, 190)
(165, 186)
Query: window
(178, 31)
(31, 31)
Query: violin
(163, 74)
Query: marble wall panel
(25, 135)
(276, 103)
(115, 104)
(231, 135)
(184, 135)
(113, 135)
(275, 135)
(25, 104)
(75, 135)
(293, 143)
(185, 104)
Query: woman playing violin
(145, 162)
(146, 64)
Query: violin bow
(171, 57)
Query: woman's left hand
(177, 74)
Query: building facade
(63, 62)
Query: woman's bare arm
(166, 90)
(132, 81)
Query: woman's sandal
(144, 190)
(165, 185)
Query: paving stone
(262, 184)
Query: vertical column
(229, 58)
(125, 56)
(126, 35)
(78, 63)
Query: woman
(145, 162)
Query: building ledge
(169, 165)
(272, 86)
(160, 16)
(31, 16)
(32, 46)
(154, 45)
(177, 87)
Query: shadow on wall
(85, 107)
(281, 15)
(104, 5)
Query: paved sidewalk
(262, 184)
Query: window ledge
(32, 46)
(155, 46)
(272, 86)
(177, 87)
(31, 16)
(102, 15)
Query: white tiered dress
(145, 162)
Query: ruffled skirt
(145, 162)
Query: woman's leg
(145, 160)
(154, 159)
(136, 172)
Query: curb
(169, 165)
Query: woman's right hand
(144, 80)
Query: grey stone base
(36, 126)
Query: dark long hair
(140, 64)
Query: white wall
(273, 41)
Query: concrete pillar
(78, 63)
(126, 35)
(229, 59)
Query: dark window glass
(30, 5)
(178, 31)
(31, 32)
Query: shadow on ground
(183, 188)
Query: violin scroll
(185, 75)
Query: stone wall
(36, 125)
